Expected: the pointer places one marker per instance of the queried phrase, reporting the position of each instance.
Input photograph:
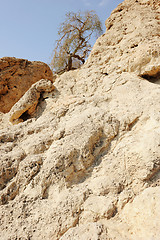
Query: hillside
(80, 152)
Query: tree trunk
(69, 67)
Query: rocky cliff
(80, 157)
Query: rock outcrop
(16, 77)
(86, 164)
(131, 42)
(26, 106)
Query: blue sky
(29, 27)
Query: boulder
(26, 106)
(16, 77)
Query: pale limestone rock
(97, 207)
(28, 103)
(86, 164)
(131, 42)
(88, 231)
(143, 214)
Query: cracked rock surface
(86, 163)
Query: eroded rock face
(131, 42)
(139, 214)
(16, 77)
(86, 164)
(28, 103)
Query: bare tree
(75, 34)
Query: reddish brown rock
(16, 77)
